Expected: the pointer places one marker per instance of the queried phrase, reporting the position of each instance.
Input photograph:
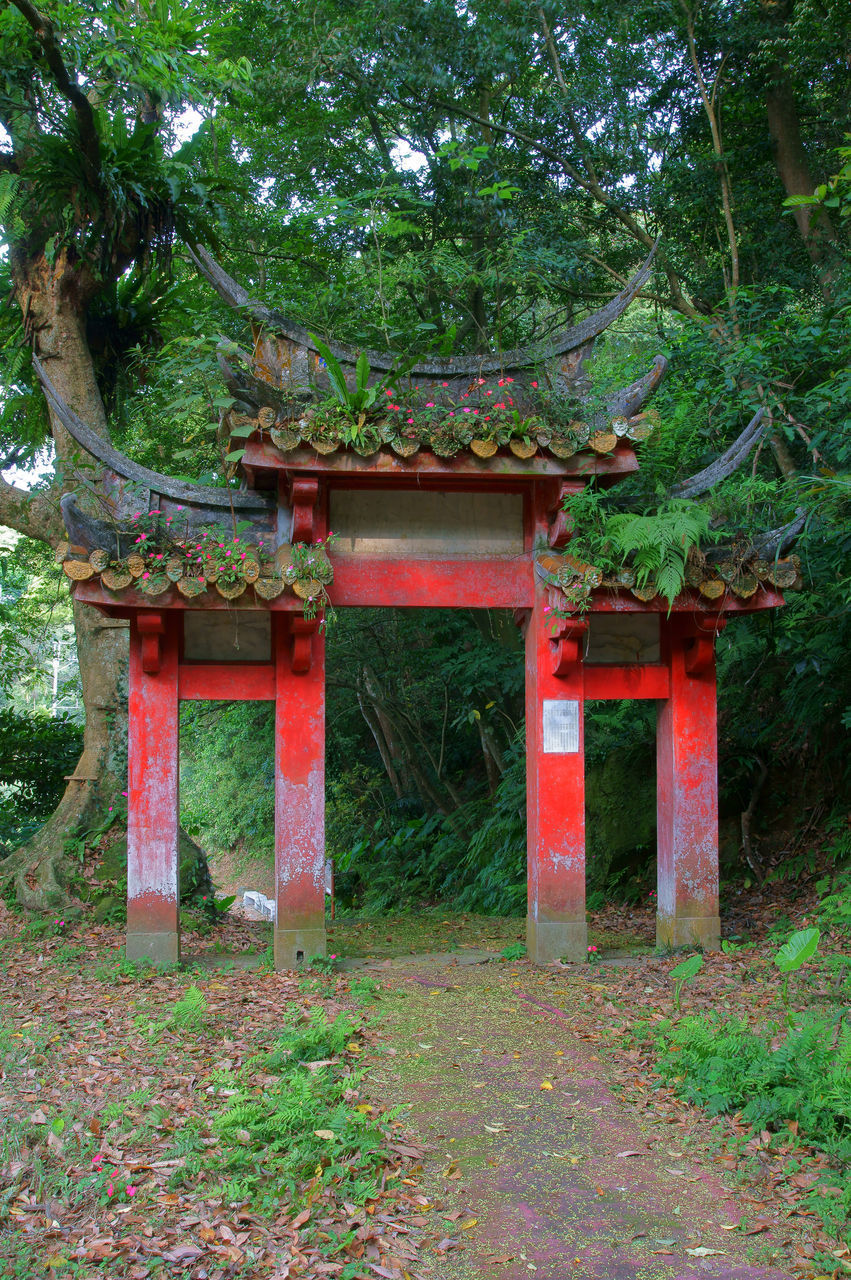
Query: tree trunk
(817, 231)
(53, 300)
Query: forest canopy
(437, 177)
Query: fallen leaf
(327, 1134)
(622, 1155)
(546, 1084)
(702, 1252)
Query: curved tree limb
(724, 466)
(166, 486)
(571, 339)
(774, 542)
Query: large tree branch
(68, 87)
(36, 515)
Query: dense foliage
(37, 752)
(461, 177)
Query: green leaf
(362, 373)
(687, 969)
(797, 950)
(335, 371)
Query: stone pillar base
(295, 946)
(689, 931)
(549, 940)
(159, 948)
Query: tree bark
(817, 230)
(53, 300)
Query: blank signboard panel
(623, 638)
(426, 523)
(227, 635)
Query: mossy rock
(195, 880)
(108, 908)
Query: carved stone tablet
(561, 726)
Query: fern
(190, 1009)
(659, 543)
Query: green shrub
(36, 753)
(725, 1067)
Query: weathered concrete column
(299, 792)
(687, 797)
(555, 791)
(152, 792)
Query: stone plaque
(227, 635)
(561, 726)
(422, 523)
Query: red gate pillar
(555, 790)
(152, 822)
(299, 792)
(687, 797)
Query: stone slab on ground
(556, 1177)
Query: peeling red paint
(687, 791)
(300, 789)
(152, 862)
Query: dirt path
(534, 1166)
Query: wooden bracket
(304, 494)
(521, 619)
(699, 647)
(561, 522)
(151, 628)
(568, 641)
(302, 631)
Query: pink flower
(534, 384)
(110, 1189)
(146, 575)
(388, 393)
(488, 393)
(444, 384)
(98, 1159)
(124, 793)
(481, 382)
(429, 404)
(179, 507)
(159, 557)
(466, 410)
(410, 420)
(130, 1191)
